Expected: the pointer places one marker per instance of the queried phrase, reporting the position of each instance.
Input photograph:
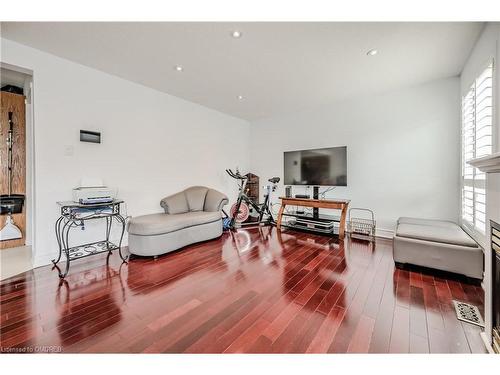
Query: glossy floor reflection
(255, 290)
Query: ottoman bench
(437, 244)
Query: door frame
(30, 156)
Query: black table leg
(65, 244)
(121, 219)
(59, 239)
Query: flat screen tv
(319, 167)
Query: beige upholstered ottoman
(437, 244)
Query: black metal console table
(74, 215)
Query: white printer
(93, 192)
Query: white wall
(153, 144)
(403, 149)
(486, 49)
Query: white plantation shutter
(477, 141)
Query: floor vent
(468, 313)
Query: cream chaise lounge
(193, 215)
(437, 244)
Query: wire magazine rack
(362, 224)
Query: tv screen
(319, 167)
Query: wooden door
(13, 103)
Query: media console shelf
(338, 204)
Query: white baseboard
(384, 233)
(44, 260)
(486, 342)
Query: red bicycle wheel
(242, 214)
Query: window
(477, 141)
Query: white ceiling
(277, 67)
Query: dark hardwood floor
(258, 291)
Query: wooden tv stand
(338, 204)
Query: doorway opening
(16, 171)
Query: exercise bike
(240, 211)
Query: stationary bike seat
(274, 180)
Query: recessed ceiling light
(240, 97)
(372, 52)
(236, 34)
(179, 68)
